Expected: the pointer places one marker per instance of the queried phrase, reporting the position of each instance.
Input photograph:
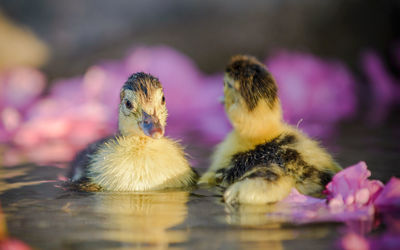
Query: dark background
(79, 33)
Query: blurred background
(62, 64)
(209, 32)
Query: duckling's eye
(128, 104)
(163, 100)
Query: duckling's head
(251, 98)
(142, 110)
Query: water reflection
(18, 177)
(254, 217)
(267, 226)
(144, 219)
(251, 215)
(86, 219)
(37, 206)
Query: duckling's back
(290, 154)
(262, 159)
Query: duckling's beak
(151, 126)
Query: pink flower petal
(13, 244)
(296, 197)
(352, 241)
(362, 196)
(352, 185)
(390, 195)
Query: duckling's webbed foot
(84, 185)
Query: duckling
(263, 158)
(138, 157)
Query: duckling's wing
(79, 165)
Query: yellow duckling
(262, 158)
(138, 158)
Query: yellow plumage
(263, 158)
(259, 190)
(138, 158)
(131, 163)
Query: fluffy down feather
(131, 163)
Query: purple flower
(352, 187)
(390, 195)
(350, 197)
(385, 88)
(20, 88)
(316, 92)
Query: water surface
(45, 214)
